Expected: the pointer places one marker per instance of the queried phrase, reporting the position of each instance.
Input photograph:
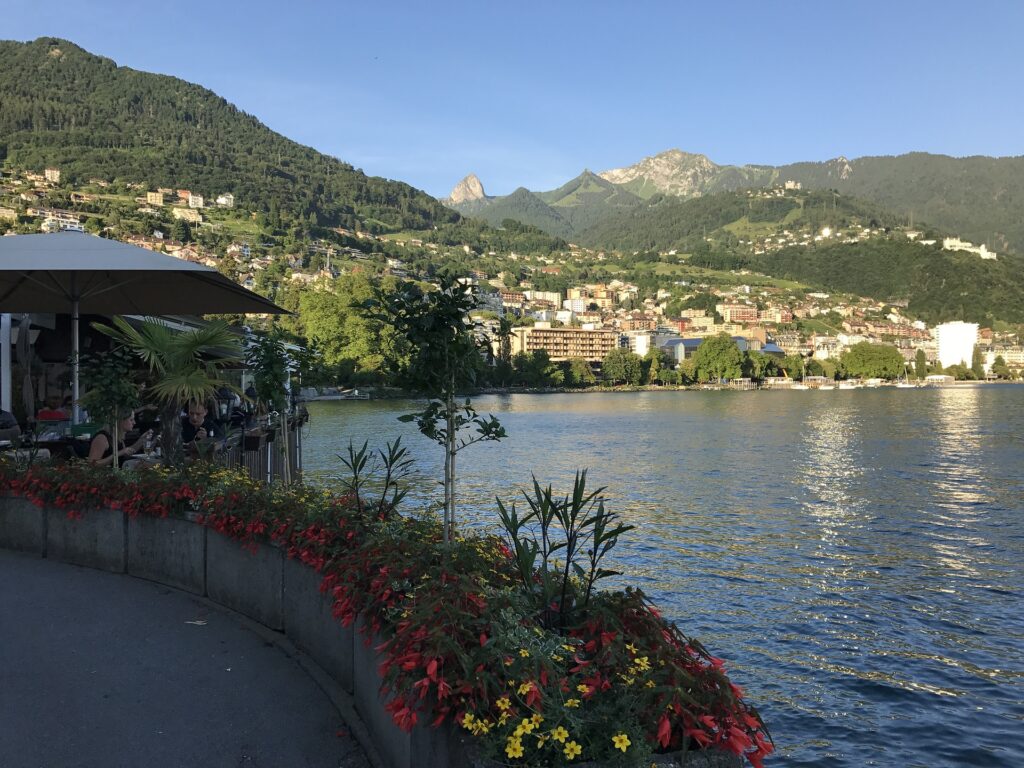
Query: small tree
(920, 365)
(180, 365)
(439, 355)
(978, 363)
(110, 389)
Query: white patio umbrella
(74, 273)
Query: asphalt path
(100, 670)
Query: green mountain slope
(940, 285)
(563, 212)
(668, 223)
(522, 206)
(979, 198)
(588, 199)
(62, 106)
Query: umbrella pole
(76, 417)
(5, 362)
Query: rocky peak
(673, 171)
(467, 191)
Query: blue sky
(531, 93)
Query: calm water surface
(855, 555)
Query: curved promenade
(99, 670)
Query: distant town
(583, 320)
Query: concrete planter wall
(98, 540)
(168, 550)
(279, 593)
(22, 525)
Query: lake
(855, 556)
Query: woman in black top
(101, 451)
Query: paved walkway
(100, 670)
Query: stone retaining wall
(264, 585)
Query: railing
(261, 452)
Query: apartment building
(565, 343)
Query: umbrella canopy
(49, 272)
(71, 272)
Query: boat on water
(799, 386)
(826, 386)
(848, 384)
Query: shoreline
(394, 394)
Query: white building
(956, 342)
(195, 201)
(956, 244)
(227, 200)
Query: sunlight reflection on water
(855, 555)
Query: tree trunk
(449, 467)
(170, 434)
(113, 432)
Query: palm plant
(181, 367)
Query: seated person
(9, 428)
(198, 425)
(52, 410)
(101, 450)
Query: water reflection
(856, 555)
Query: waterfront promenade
(100, 670)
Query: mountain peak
(468, 190)
(673, 171)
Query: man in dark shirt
(9, 428)
(198, 425)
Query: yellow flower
(560, 734)
(627, 679)
(649, 684)
(514, 748)
(503, 719)
(542, 739)
(583, 688)
(621, 741)
(467, 721)
(527, 725)
(631, 648)
(524, 653)
(642, 663)
(572, 749)
(568, 648)
(536, 719)
(556, 657)
(503, 703)
(525, 688)
(572, 703)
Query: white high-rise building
(956, 342)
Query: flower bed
(459, 638)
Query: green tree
(1000, 368)
(186, 366)
(793, 366)
(653, 366)
(759, 366)
(718, 358)
(580, 374)
(978, 363)
(960, 372)
(352, 341)
(438, 354)
(873, 361)
(620, 366)
(920, 365)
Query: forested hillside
(939, 285)
(62, 106)
(669, 222)
(978, 198)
